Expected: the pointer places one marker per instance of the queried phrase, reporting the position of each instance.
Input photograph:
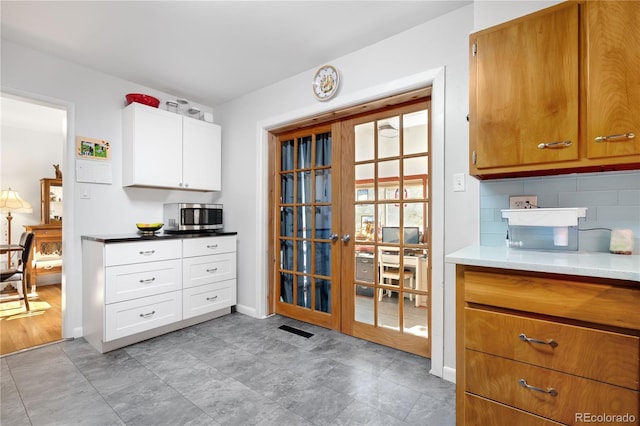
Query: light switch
(458, 182)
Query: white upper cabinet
(167, 150)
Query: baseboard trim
(449, 374)
(247, 310)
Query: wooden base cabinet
(137, 290)
(47, 251)
(557, 356)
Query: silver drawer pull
(549, 342)
(559, 144)
(211, 271)
(212, 246)
(48, 267)
(147, 253)
(615, 138)
(147, 315)
(211, 299)
(550, 391)
(364, 260)
(148, 280)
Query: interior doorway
(33, 136)
(331, 205)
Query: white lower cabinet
(208, 274)
(138, 289)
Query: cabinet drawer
(208, 245)
(126, 282)
(134, 316)
(208, 298)
(586, 301)
(483, 412)
(44, 267)
(365, 269)
(138, 252)
(208, 269)
(609, 353)
(499, 379)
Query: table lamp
(10, 201)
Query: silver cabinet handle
(559, 144)
(147, 315)
(212, 246)
(615, 138)
(211, 299)
(148, 280)
(345, 238)
(550, 391)
(549, 342)
(212, 270)
(334, 237)
(147, 253)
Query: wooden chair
(20, 274)
(390, 270)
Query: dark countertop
(124, 238)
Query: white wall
(94, 101)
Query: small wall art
(92, 149)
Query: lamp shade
(10, 201)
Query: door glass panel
(286, 288)
(364, 222)
(323, 185)
(415, 317)
(323, 295)
(304, 257)
(286, 221)
(388, 309)
(286, 194)
(388, 137)
(415, 132)
(323, 149)
(304, 152)
(286, 159)
(304, 222)
(323, 222)
(323, 259)
(364, 141)
(304, 187)
(304, 291)
(389, 170)
(364, 305)
(286, 254)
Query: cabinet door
(613, 79)
(201, 155)
(524, 91)
(152, 148)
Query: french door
(350, 203)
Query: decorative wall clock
(325, 83)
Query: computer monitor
(391, 234)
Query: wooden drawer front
(208, 269)
(611, 355)
(365, 269)
(208, 245)
(134, 316)
(126, 282)
(208, 298)
(499, 379)
(483, 412)
(138, 252)
(597, 303)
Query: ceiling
(209, 52)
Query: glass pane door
(307, 289)
(390, 213)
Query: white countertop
(602, 265)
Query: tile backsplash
(612, 200)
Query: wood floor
(19, 330)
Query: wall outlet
(523, 202)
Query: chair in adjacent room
(390, 270)
(19, 276)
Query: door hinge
(474, 157)
(474, 49)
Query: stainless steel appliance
(184, 217)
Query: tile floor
(234, 370)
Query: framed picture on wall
(93, 149)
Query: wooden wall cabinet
(546, 89)
(167, 150)
(541, 349)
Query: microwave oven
(184, 217)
